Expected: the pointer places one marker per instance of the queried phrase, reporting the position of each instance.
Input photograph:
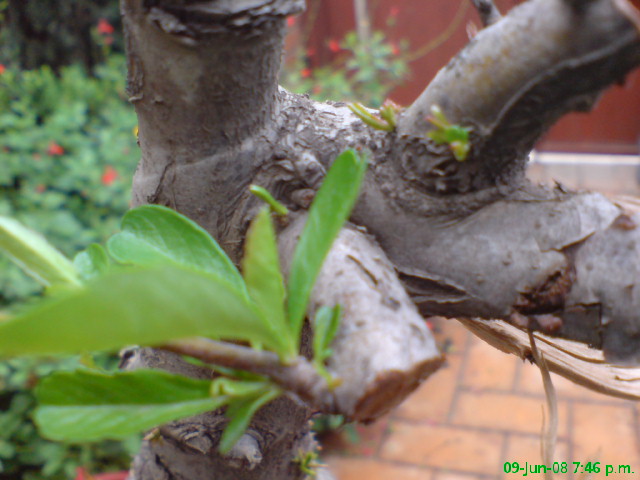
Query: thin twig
(489, 13)
(298, 377)
(550, 425)
(444, 36)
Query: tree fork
(469, 239)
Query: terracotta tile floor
(484, 408)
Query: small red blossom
(109, 175)
(334, 46)
(54, 149)
(394, 49)
(394, 11)
(41, 187)
(82, 474)
(104, 27)
(2, 69)
(291, 21)
(305, 72)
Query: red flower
(82, 474)
(104, 27)
(305, 72)
(54, 149)
(41, 187)
(2, 68)
(394, 49)
(109, 175)
(291, 21)
(394, 11)
(334, 46)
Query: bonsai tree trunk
(432, 235)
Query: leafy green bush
(68, 152)
(361, 73)
(26, 455)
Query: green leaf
(456, 133)
(156, 235)
(92, 262)
(32, 253)
(329, 211)
(325, 327)
(261, 270)
(368, 118)
(240, 413)
(136, 306)
(264, 195)
(460, 150)
(85, 406)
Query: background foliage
(41, 32)
(360, 73)
(68, 152)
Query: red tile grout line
(470, 475)
(473, 428)
(505, 449)
(434, 470)
(636, 426)
(385, 436)
(570, 424)
(517, 377)
(609, 402)
(460, 377)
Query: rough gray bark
(467, 239)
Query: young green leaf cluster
(455, 136)
(164, 278)
(385, 120)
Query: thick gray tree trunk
(464, 239)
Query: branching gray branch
(299, 377)
(488, 11)
(513, 81)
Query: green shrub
(364, 74)
(68, 152)
(23, 453)
(67, 155)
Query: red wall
(612, 127)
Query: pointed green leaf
(261, 270)
(92, 262)
(329, 211)
(136, 306)
(240, 414)
(33, 254)
(156, 235)
(264, 195)
(235, 388)
(325, 327)
(85, 405)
